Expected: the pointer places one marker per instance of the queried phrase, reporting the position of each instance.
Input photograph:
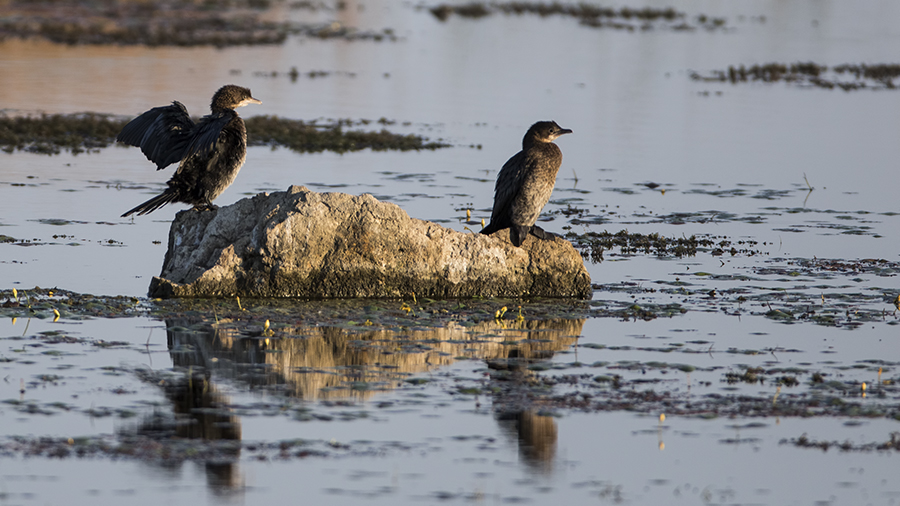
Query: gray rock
(301, 243)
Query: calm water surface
(734, 156)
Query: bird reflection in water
(200, 412)
(322, 362)
(536, 435)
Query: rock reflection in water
(330, 362)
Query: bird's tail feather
(153, 204)
(490, 229)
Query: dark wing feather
(207, 131)
(162, 133)
(509, 183)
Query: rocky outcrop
(300, 243)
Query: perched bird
(211, 151)
(525, 183)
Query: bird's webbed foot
(208, 206)
(517, 234)
(541, 233)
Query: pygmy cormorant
(211, 151)
(525, 183)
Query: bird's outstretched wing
(207, 131)
(162, 133)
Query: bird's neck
(530, 142)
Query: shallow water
(732, 161)
(397, 440)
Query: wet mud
(89, 132)
(847, 77)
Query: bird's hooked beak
(561, 131)
(250, 100)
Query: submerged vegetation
(594, 16)
(77, 133)
(847, 77)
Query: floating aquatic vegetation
(762, 194)
(847, 77)
(594, 16)
(307, 137)
(817, 267)
(630, 390)
(360, 314)
(51, 133)
(891, 444)
(627, 388)
(593, 245)
(295, 74)
(153, 447)
(40, 302)
(750, 375)
(165, 24)
(87, 132)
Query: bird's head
(544, 131)
(231, 97)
